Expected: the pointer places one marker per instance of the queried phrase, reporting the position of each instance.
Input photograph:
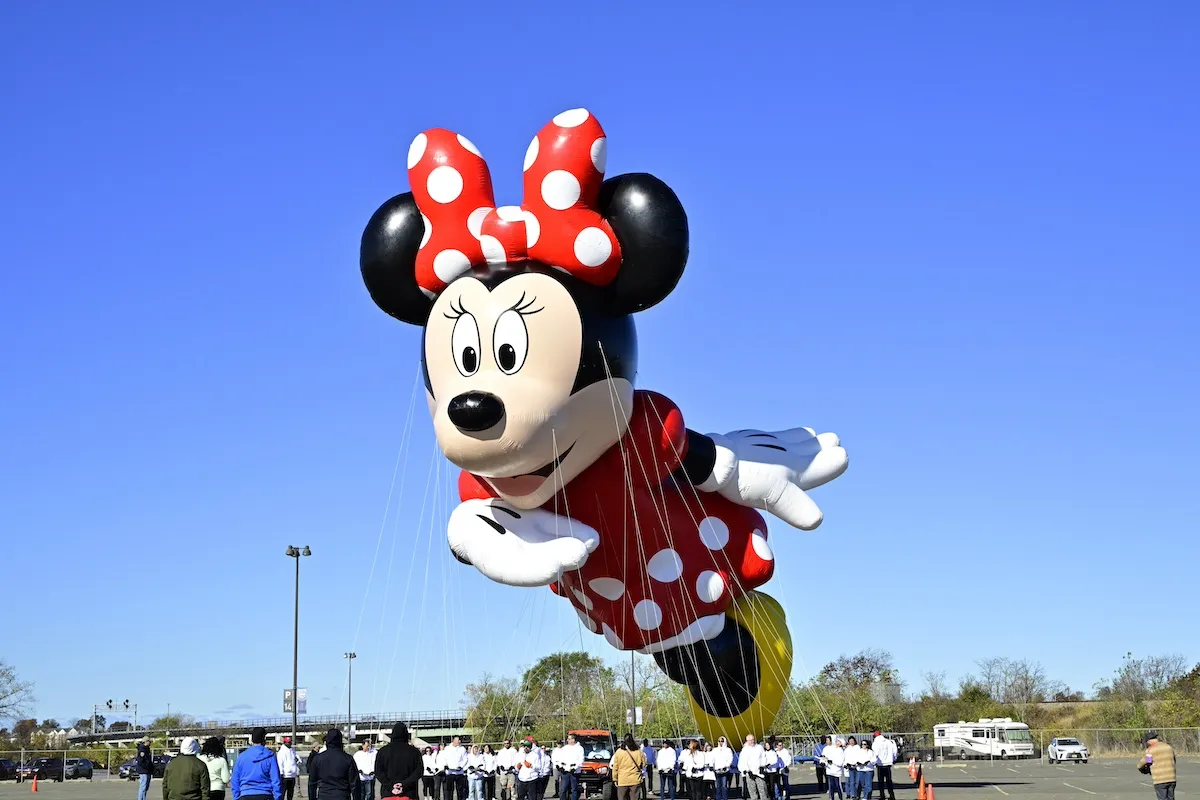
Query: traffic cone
(34, 787)
(921, 789)
(929, 792)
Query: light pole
(295, 552)
(349, 688)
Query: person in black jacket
(399, 766)
(308, 762)
(145, 767)
(333, 770)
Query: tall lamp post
(295, 552)
(349, 688)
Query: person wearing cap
(1159, 762)
(886, 752)
(256, 773)
(186, 776)
(399, 765)
(506, 771)
(289, 767)
(834, 756)
(527, 771)
(333, 771)
(145, 767)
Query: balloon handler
(571, 478)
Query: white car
(1067, 749)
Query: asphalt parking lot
(1110, 779)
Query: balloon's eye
(464, 341)
(511, 338)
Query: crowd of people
(692, 771)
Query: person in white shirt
(506, 771)
(364, 760)
(785, 765)
(528, 775)
(710, 775)
(852, 758)
(544, 767)
(475, 774)
(885, 753)
(770, 767)
(429, 785)
(722, 762)
(751, 762)
(664, 765)
(289, 767)
(489, 773)
(691, 770)
(556, 765)
(453, 761)
(834, 757)
(866, 770)
(572, 762)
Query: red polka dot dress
(671, 559)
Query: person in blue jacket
(256, 773)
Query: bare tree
(993, 676)
(935, 684)
(1025, 683)
(15, 695)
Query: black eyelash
(455, 311)
(522, 307)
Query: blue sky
(963, 236)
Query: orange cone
(921, 790)
(34, 787)
(929, 792)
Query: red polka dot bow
(556, 224)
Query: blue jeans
(143, 786)
(722, 788)
(568, 787)
(477, 782)
(785, 785)
(835, 786)
(864, 783)
(666, 785)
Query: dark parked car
(8, 770)
(44, 769)
(128, 770)
(160, 766)
(78, 768)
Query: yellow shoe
(760, 616)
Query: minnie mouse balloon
(572, 478)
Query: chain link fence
(68, 764)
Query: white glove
(771, 471)
(519, 547)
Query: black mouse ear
(388, 258)
(651, 227)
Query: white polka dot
(510, 213)
(592, 247)
(427, 293)
(665, 566)
(560, 189)
(709, 586)
(600, 154)
(475, 220)
(583, 599)
(714, 533)
(417, 149)
(533, 229)
(531, 153)
(428, 231)
(449, 264)
(608, 588)
(493, 251)
(444, 184)
(761, 547)
(467, 143)
(647, 615)
(587, 621)
(612, 638)
(572, 119)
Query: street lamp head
(350, 655)
(291, 552)
(306, 551)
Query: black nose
(475, 411)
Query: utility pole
(632, 693)
(349, 689)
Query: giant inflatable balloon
(573, 478)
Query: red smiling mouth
(530, 482)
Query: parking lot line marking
(963, 771)
(1076, 787)
(998, 789)
(1064, 769)
(1010, 769)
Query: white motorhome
(987, 738)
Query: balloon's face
(527, 384)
